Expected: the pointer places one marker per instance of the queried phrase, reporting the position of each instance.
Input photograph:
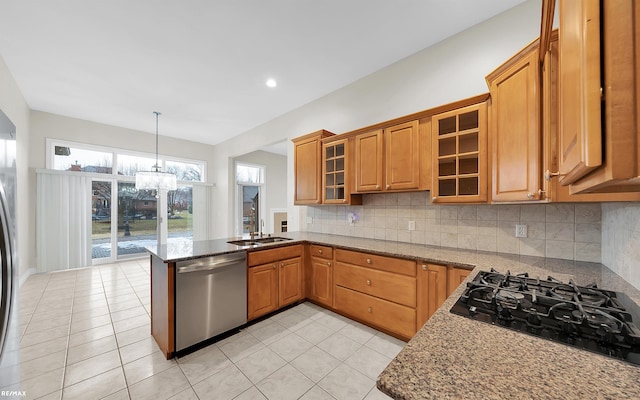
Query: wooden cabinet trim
(259, 257)
(383, 263)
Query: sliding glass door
(137, 222)
(101, 242)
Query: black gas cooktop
(582, 316)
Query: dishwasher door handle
(210, 266)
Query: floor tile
(89, 323)
(41, 385)
(315, 364)
(251, 394)
(42, 349)
(37, 325)
(223, 385)
(290, 346)
(90, 349)
(96, 387)
(339, 346)
(44, 335)
(385, 344)
(130, 323)
(38, 366)
(317, 393)
(315, 332)
(269, 333)
(241, 347)
(133, 351)
(345, 383)
(128, 313)
(333, 321)
(368, 361)
(94, 312)
(375, 394)
(133, 335)
(91, 367)
(147, 366)
(294, 320)
(187, 394)
(287, 383)
(204, 363)
(90, 335)
(260, 364)
(160, 386)
(119, 395)
(358, 332)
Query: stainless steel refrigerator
(9, 337)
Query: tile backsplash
(621, 240)
(569, 230)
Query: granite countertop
(453, 357)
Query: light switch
(412, 225)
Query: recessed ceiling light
(272, 83)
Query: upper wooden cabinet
(460, 155)
(514, 130)
(579, 101)
(308, 168)
(619, 98)
(337, 172)
(393, 158)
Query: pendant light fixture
(156, 180)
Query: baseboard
(26, 275)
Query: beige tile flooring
(84, 334)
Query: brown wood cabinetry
(455, 277)
(274, 279)
(514, 132)
(432, 290)
(320, 276)
(377, 290)
(460, 155)
(308, 168)
(337, 172)
(395, 158)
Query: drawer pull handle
(275, 266)
(320, 251)
(368, 282)
(369, 310)
(424, 267)
(329, 263)
(368, 261)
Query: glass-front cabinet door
(334, 172)
(460, 146)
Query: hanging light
(155, 180)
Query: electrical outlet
(412, 225)
(309, 220)
(521, 231)
(351, 218)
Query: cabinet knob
(369, 310)
(344, 200)
(548, 175)
(275, 266)
(388, 186)
(329, 263)
(368, 282)
(434, 199)
(424, 267)
(320, 251)
(377, 187)
(368, 261)
(531, 195)
(282, 264)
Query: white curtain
(63, 221)
(201, 215)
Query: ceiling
(203, 64)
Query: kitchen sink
(258, 241)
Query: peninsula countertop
(453, 357)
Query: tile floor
(84, 334)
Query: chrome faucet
(252, 222)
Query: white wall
(13, 104)
(450, 70)
(46, 125)
(275, 193)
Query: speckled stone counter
(453, 357)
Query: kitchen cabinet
(274, 279)
(337, 173)
(377, 290)
(307, 152)
(605, 112)
(460, 155)
(394, 158)
(320, 277)
(432, 290)
(455, 276)
(579, 102)
(515, 134)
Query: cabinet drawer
(268, 256)
(393, 287)
(321, 251)
(385, 314)
(390, 264)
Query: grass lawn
(102, 229)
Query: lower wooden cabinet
(274, 279)
(432, 290)
(455, 277)
(320, 276)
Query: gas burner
(582, 316)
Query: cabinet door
(402, 156)
(455, 278)
(432, 291)
(460, 149)
(307, 171)
(290, 281)
(262, 290)
(515, 133)
(321, 281)
(369, 161)
(580, 129)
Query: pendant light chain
(157, 166)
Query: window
(82, 160)
(249, 207)
(249, 174)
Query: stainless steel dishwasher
(211, 297)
